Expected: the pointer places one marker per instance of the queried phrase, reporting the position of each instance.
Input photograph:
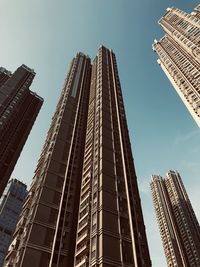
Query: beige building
(179, 55)
(179, 228)
(83, 208)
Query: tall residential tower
(10, 207)
(19, 108)
(83, 208)
(179, 228)
(179, 55)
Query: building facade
(10, 207)
(179, 228)
(19, 108)
(179, 55)
(84, 208)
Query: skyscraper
(179, 228)
(84, 208)
(10, 208)
(179, 55)
(19, 108)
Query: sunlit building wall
(179, 55)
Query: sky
(45, 35)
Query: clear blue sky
(46, 34)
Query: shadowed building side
(179, 228)
(10, 207)
(84, 208)
(46, 230)
(111, 229)
(19, 108)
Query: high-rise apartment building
(83, 208)
(10, 207)
(179, 55)
(179, 228)
(19, 108)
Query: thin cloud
(144, 186)
(183, 138)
